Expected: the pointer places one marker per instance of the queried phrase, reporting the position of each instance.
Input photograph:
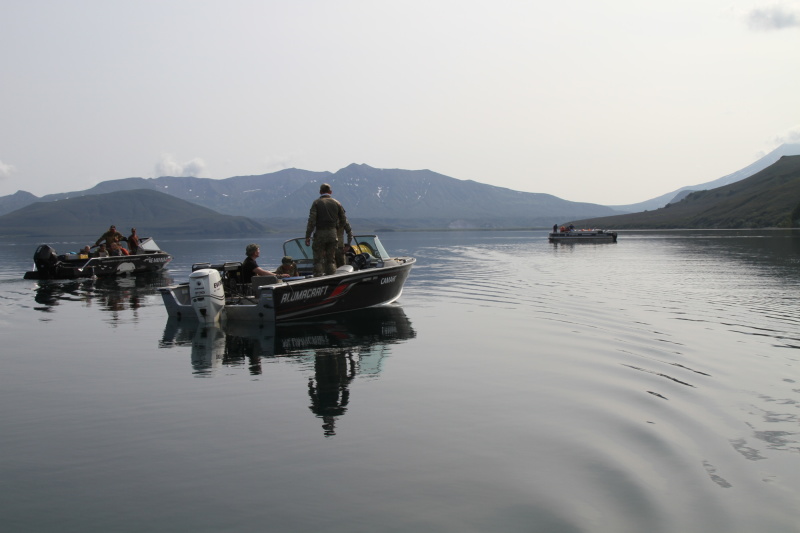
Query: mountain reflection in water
(342, 347)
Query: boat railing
(88, 263)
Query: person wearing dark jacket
(250, 267)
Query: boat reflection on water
(111, 294)
(342, 346)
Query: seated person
(86, 250)
(102, 252)
(249, 266)
(115, 250)
(287, 269)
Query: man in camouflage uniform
(325, 216)
(112, 235)
(340, 241)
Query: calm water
(651, 385)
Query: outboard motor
(207, 294)
(45, 259)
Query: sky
(610, 102)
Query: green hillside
(152, 213)
(770, 198)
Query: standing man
(325, 216)
(133, 242)
(340, 240)
(112, 235)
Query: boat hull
(583, 236)
(102, 266)
(303, 298)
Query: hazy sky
(612, 102)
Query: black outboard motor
(45, 259)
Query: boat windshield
(148, 244)
(297, 249)
(370, 244)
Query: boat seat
(231, 272)
(258, 281)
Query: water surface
(647, 385)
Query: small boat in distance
(216, 293)
(567, 235)
(49, 265)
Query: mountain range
(746, 172)
(376, 199)
(769, 198)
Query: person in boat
(86, 250)
(133, 242)
(349, 253)
(115, 250)
(340, 240)
(102, 251)
(324, 217)
(287, 269)
(112, 235)
(250, 267)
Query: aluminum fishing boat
(565, 235)
(215, 292)
(48, 264)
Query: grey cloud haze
(775, 17)
(792, 136)
(5, 170)
(169, 167)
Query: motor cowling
(45, 258)
(207, 294)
